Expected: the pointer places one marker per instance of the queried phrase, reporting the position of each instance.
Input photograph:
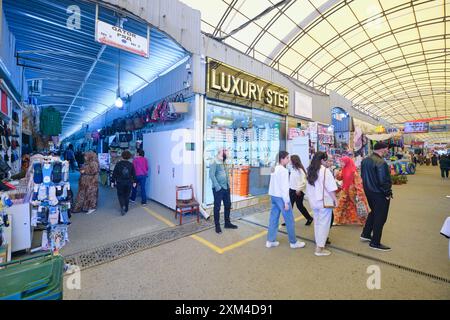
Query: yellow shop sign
(227, 83)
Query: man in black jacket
(378, 188)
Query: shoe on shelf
(322, 253)
(230, 226)
(270, 244)
(365, 239)
(308, 222)
(380, 247)
(91, 211)
(297, 245)
(218, 230)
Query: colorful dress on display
(352, 188)
(88, 185)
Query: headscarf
(348, 172)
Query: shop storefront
(246, 116)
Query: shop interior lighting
(222, 121)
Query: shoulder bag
(328, 202)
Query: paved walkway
(236, 265)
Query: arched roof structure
(387, 56)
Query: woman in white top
(279, 192)
(321, 186)
(297, 187)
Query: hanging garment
(50, 122)
(88, 184)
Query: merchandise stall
(342, 124)
(298, 140)
(325, 137)
(250, 124)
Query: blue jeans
(141, 180)
(277, 208)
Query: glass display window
(253, 138)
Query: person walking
(297, 187)
(218, 173)
(281, 203)
(321, 191)
(444, 164)
(87, 196)
(69, 155)
(378, 188)
(434, 160)
(352, 188)
(124, 178)
(140, 164)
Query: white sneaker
(272, 244)
(322, 253)
(298, 244)
(90, 211)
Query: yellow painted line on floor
(207, 243)
(245, 241)
(159, 217)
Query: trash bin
(36, 278)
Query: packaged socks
(42, 192)
(47, 173)
(53, 216)
(37, 173)
(57, 172)
(65, 170)
(52, 196)
(64, 215)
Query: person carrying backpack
(124, 178)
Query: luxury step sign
(120, 38)
(229, 84)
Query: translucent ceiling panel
(342, 19)
(323, 32)
(430, 10)
(307, 45)
(300, 10)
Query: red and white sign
(4, 102)
(122, 39)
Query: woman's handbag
(328, 202)
(361, 208)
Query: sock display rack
(51, 200)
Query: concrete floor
(188, 269)
(107, 225)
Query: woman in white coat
(321, 191)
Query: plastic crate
(36, 278)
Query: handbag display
(328, 202)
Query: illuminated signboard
(416, 127)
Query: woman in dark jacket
(445, 165)
(124, 178)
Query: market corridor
(236, 264)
